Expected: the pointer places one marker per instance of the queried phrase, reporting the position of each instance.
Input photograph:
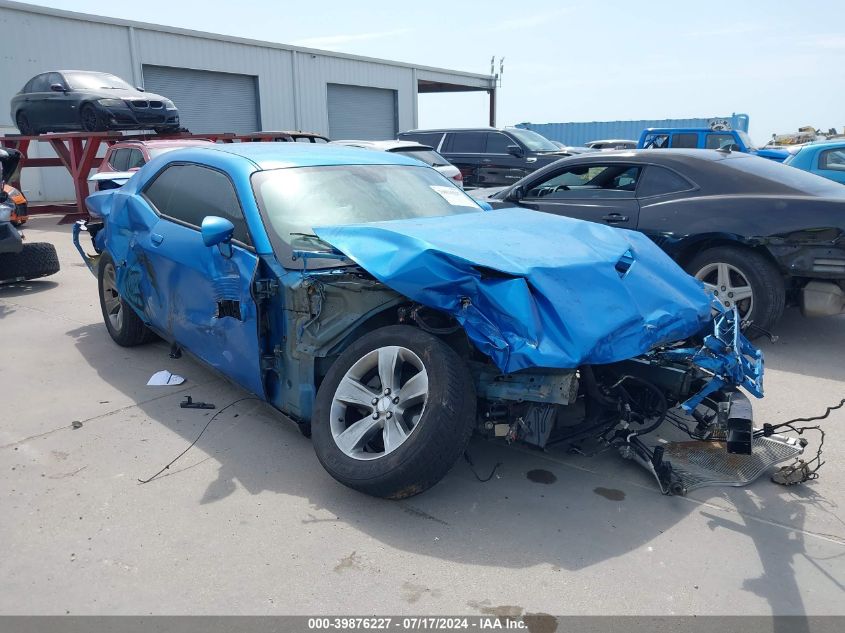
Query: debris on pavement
(165, 378)
(189, 403)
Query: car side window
(589, 181)
(118, 159)
(40, 83)
(466, 142)
(189, 193)
(658, 181)
(685, 139)
(135, 159)
(832, 159)
(497, 143)
(432, 139)
(656, 141)
(55, 78)
(718, 141)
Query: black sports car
(71, 100)
(761, 235)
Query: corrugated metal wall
(580, 133)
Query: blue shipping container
(580, 133)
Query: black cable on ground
(468, 460)
(175, 459)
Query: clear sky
(780, 61)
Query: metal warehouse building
(221, 83)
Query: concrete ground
(247, 522)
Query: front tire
(35, 260)
(125, 327)
(394, 413)
(742, 278)
(90, 119)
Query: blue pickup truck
(704, 138)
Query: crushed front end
(677, 411)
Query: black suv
(488, 157)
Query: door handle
(614, 218)
(156, 239)
(486, 160)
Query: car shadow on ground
(21, 289)
(580, 512)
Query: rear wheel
(394, 413)
(90, 119)
(745, 279)
(125, 327)
(35, 260)
(24, 126)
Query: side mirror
(139, 89)
(516, 194)
(57, 88)
(485, 205)
(515, 150)
(218, 231)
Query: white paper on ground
(164, 377)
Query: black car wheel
(742, 278)
(125, 327)
(394, 413)
(90, 119)
(24, 126)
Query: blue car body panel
(533, 289)
(809, 158)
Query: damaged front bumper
(92, 262)
(677, 411)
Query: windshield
(747, 141)
(428, 156)
(96, 81)
(533, 141)
(295, 200)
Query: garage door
(208, 101)
(357, 112)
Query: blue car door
(202, 296)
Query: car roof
(687, 129)
(277, 155)
(172, 142)
(461, 129)
(824, 144)
(384, 145)
(688, 156)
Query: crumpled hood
(533, 289)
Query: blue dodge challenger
(391, 316)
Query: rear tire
(743, 266)
(36, 260)
(425, 419)
(125, 327)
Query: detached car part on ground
(760, 235)
(391, 316)
(19, 261)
